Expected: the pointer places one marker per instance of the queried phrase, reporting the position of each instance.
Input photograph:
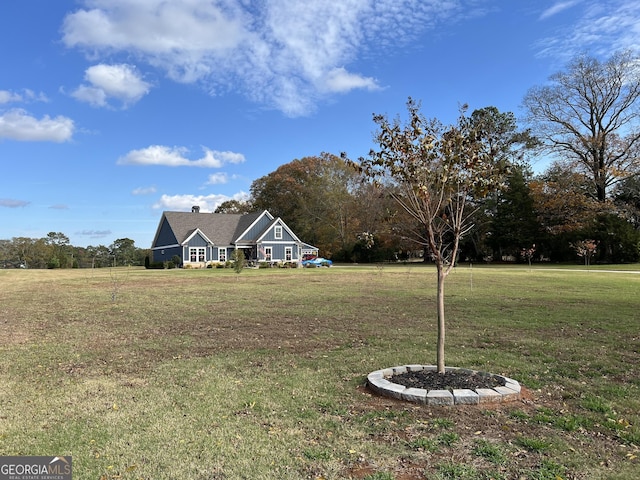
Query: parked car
(317, 262)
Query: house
(200, 239)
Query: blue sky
(112, 111)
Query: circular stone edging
(378, 381)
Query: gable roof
(243, 231)
(278, 221)
(219, 228)
(197, 231)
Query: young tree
(589, 116)
(432, 172)
(585, 249)
(238, 260)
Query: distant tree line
(584, 206)
(586, 120)
(532, 217)
(55, 251)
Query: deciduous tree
(562, 202)
(59, 250)
(589, 116)
(432, 171)
(626, 197)
(124, 252)
(235, 206)
(313, 196)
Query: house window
(278, 232)
(222, 254)
(287, 254)
(267, 254)
(196, 254)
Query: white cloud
(13, 203)
(339, 80)
(557, 8)
(94, 233)
(175, 157)
(219, 178)
(155, 27)
(144, 191)
(207, 203)
(17, 124)
(91, 95)
(285, 54)
(121, 82)
(7, 96)
(602, 27)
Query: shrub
(53, 263)
(154, 265)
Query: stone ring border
(379, 382)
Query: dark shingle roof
(220, 228)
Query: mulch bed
(450, 380)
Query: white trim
(197, 230)
(295, 237)
(197, 254)
(166, 246)
(253, 224)
(279, 242)
(283, 225)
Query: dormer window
(278, 232)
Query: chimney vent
(195, 209)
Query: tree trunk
(440, 307)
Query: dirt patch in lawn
(494, 440)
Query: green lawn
(187, 374)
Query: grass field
(185, 374)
